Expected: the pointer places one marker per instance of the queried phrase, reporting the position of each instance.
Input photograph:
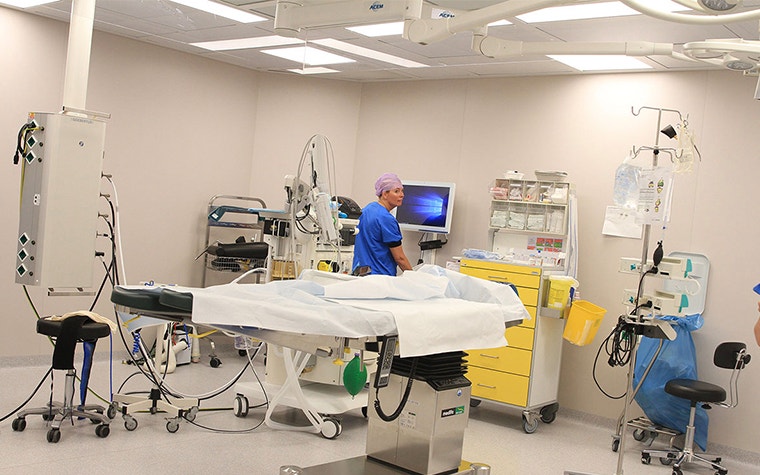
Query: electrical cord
(404, 398)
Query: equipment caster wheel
(548, 414)
(19, 424)
(190, 414)
(530, 424)
(331, 428)
(240, 406)
(172, 425)
(53, 436)
(215, 362)
(666, 460)
(48, 417)
(102, 431)
(364, 411)
(646, 459)
(113, 409)
(475, 402)
(615, 444)
(639, 434)
(677, 471)
(130, 423)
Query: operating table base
(363, 465)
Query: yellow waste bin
(583, 322)
(559, 291)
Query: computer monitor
(427, 207)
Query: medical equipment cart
(530, 226)
(230, 219)
(525, 373)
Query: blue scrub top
(377, 230)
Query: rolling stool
(68, 332)
(730, 355)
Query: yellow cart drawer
(520, 280)
(532, 322)
(511, 360)
(519, 337)
(498, 386)
(528, 296)
(498, 266)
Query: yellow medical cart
(525, 373)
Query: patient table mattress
(431, 309)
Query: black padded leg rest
(146, 301)
(90, 330)
(695, 391)
(181, 301)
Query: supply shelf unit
(233, 217)
(529, 220)
(524, 374)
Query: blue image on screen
(424, 206)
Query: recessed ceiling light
(25, 3)
(395, 28)
(308, 55)
(317, 70)
(368, 53)
(594, 10)
(221, 10)
(248, 43)
(600, 62)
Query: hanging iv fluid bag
(626, 188)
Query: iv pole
(639, 318)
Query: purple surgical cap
(387, 182)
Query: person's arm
(400, 257)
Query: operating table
(431, 311)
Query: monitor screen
(427, 207)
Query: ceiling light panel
(221, 10)
(308, 55)
(248, 43)
(26, 3)
(594, 10)
(601, 62)
(368, 53)
(379, 29)
(316, 70)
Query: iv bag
(626, 188)
(684, 161)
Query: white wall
(472, 131)
(185, 128)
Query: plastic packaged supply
(626, 188)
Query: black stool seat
(695, 391)
(90, 330)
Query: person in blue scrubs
(378, 242)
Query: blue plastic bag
(677, 359)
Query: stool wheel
(102, 431)
(19, 424)
(53, 436)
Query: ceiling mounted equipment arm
(500, 48)
(426, 31)
(692, 19)
(292, 16)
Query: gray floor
(494, 436)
